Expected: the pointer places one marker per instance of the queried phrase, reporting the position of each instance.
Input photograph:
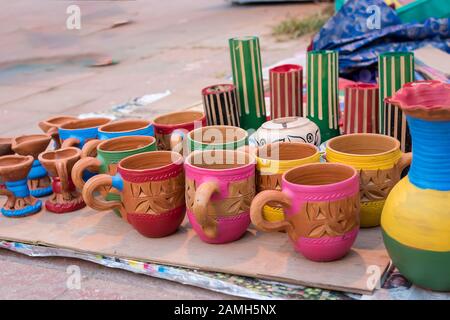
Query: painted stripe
(320, 89)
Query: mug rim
(191, 133)
(281, 69)
(201, 117)
(25, 160)
(278, 143)
(252, 161)
(145, 124)
(342, 137)
(152, 140)
(63, 126)
(178, 161)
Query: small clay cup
(321, 206)
(77, 132)
(14, 170)
(217, 138)
(38, 180)
(151, 187)
(51, 125)
(59, 164)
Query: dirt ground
(47, 69)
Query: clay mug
(5, 149)
(321, 206)
(38, 180)
(128, 127)
(274, 159)
(51, 125)
(217, 138)
(59, 164)
(151, 187)
(76, 133)
(171, 128)
(14, 170)
(109, 153)
(379, 162)
(220, 185)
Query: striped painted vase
(361, 108)
(220, 104)
(247, 78)
(323, 98)
(286, 95)
(395, 69)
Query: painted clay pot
(220, 185)
(272, 160)
(286, 91)
(171, 128)
(290, 129)
(109, 153)
(361, 108)
(217, 138)
(77, 132)
(5, 149)
(14, 170)
(416, 216)
(59, 164)
(151, 186)
(38, 180)
(128, 127)
(379, 162)
(321, 206)
(220, 104)
(51, 125)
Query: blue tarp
(352, 31)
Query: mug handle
(101, 180)
(90, 148)
(93, 164)
(61, 170)
(200, 208)
(404, 161)
(176, 140)
(70, 142)
(256, 211)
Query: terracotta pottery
(217, 138)
(379, 162)
(361, 108)
(5, 149)
(286, 91)
(77, 132)
(14, 170)
(220, 185)
(321, 206)
(416, 216)
(290, 129)
(171, 128)
(51, 125)
(109, 153)
(59, 164)
(128, 127)
(151, 186)
(272, 160)
(38, 180)
(220, 104)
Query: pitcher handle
(70, 142)
(256, 211)
(200, 208)
(101, 180)
(90, 163)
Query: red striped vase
(361, 108)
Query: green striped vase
(323, 95)
(394, 70)
(247, 78)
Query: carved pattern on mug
(375, 185)
(268, 181)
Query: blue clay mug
(77, 132)
(128, 127)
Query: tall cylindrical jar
(220, 104)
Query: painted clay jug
(290, 129)
(14, 170)
(59, 164)
(416, 216)
(34, 144)
(51, 125)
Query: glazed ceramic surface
(416, 216)
(379, 162)
(286, 91)
(59, 164)
(290, 129)
(220, 186)
(321, 206)
(128, 127)
(272, 160)
(14, 170)
(109, 153)
(51, 125)
(77, 132)
(361, 108)
(151, 187)
(217, 138)
(38, 180)
(172, 128)
(220, 104)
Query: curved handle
(404, 161)
(101, 180)
(93, 164)
(9, 194)
(176, 140)
(70, 142)
(54, 133)
(61, 170)
(200, 208)
(90, 148)
(256, 211)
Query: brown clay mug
(59, 164)
(51, 125)
(151, 186)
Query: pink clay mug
(321, 206)
(220, 185)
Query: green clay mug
(217, 138)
